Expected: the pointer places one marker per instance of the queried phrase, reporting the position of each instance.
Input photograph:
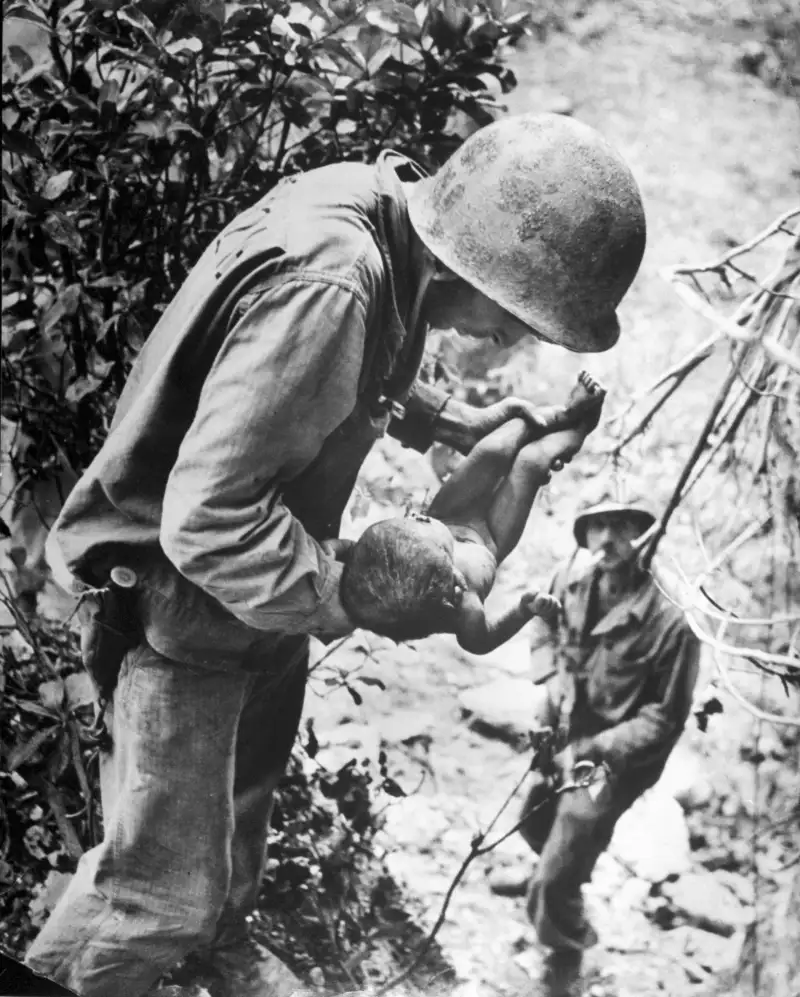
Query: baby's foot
(585, 402)
(543, 605)
(583, 408)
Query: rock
(405, 726)
(513, 657)
(593, 25)
(511, 881)
(531, 962)
(770, 745)
(685, 780)
(350, 740)
(560, 104)
(751, 57)
(695, 971)
(740, 886)
(632, 895)
(506, 709)
(710, 951)
(705, 902)
(652, 839)
(415, 821)
(608, 878)
(418, 873)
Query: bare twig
(679, 372)
(674, 501)
(477, 849)
(746, 247)
(719, 648)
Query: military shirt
(624, 683)
(242, 427)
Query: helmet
(542, 215)
(631, 510)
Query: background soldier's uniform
(621, 695)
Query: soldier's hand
(543, 605)
(541, 419)
(337, 548)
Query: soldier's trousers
(187, 797)
(569, 836)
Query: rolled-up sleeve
(285, 378)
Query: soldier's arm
(285, 378)
(433, 416)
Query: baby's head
(398, 579)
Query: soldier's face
(612, 536)
(455, 304)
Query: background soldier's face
(612, 535)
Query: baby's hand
(543, 605)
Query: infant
(411, 577)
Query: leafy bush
(147, 127)
(49, 773)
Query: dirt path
(714, 151)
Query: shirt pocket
(621, 668)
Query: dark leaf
(36, 708)
(20, 58)
(371, 680)
(21, 753)
(355, 696)
(62, 230)
(21, 144)
(394, 914)
(59, 758)
(392, 788)
(312, 744)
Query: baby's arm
(480, 632)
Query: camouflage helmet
(543, 216)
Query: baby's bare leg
(513, 501)
(467, 493)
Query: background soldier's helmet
(543, 216)
(637, 510)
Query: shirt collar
(405, 259)
(634, 608)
